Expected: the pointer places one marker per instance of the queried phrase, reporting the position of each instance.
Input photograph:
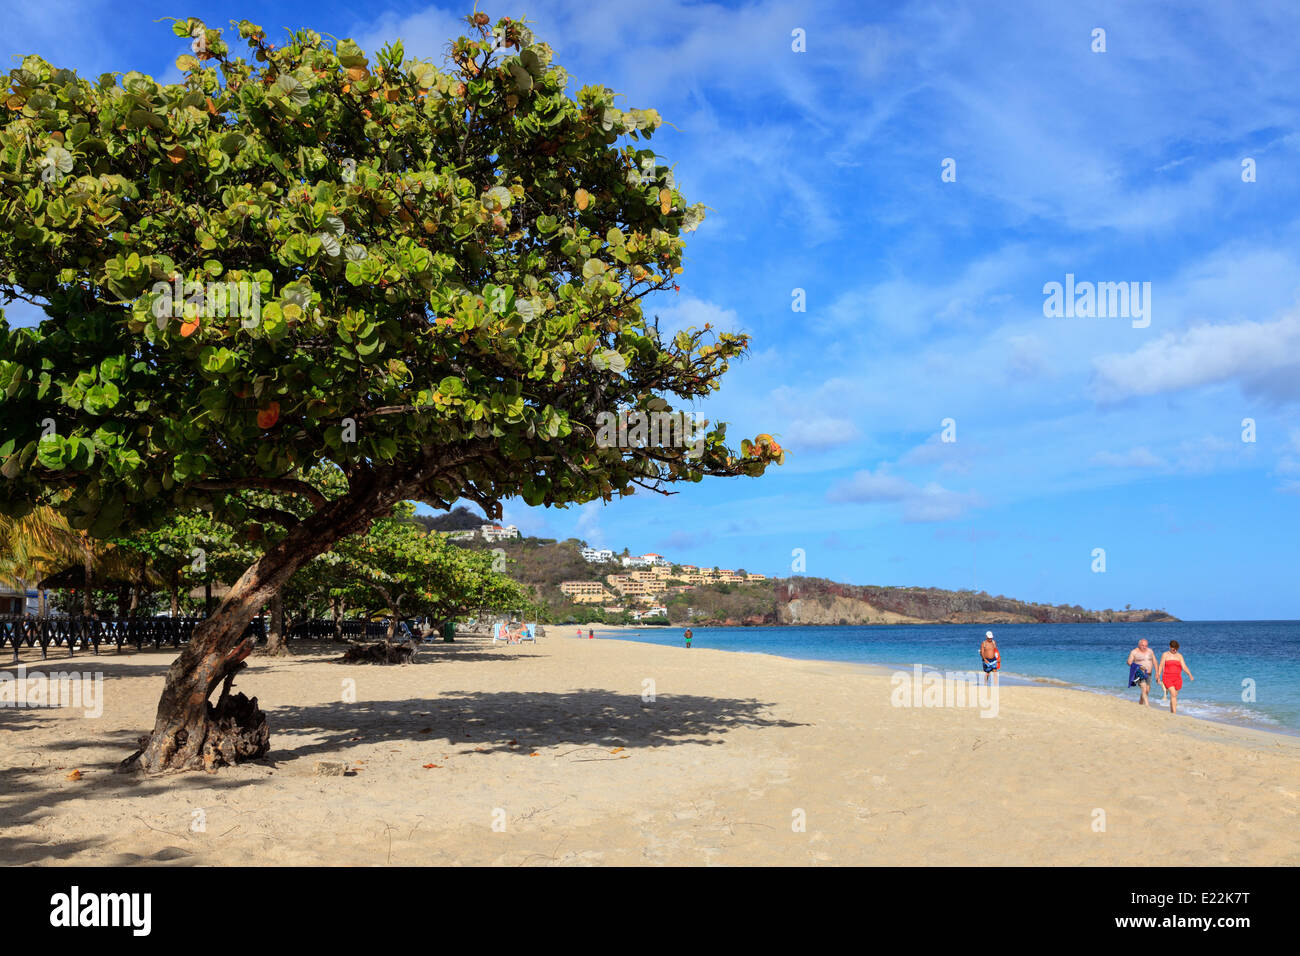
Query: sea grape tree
(403, 569)
(428, 276)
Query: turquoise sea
(1247, 672)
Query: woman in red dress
(1170, 674)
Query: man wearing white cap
(989, 657)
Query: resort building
(585, 592)
(494, 532)
(595, 556)
(634, 587)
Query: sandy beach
(614, 752)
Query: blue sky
(925, 298)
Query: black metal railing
(325, 631)
(80, 633)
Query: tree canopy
(429, 278)
(448, 270)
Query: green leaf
(523, 79)
(292, 90)
(50, 451)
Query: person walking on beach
(990, 657)
(1141, 665)
(1172, 668)
(689, 635)
(591, 634)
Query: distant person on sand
(689, 635)
(579, 632)
(1141, 665)
(590, 633)
(1172, 668)
(990, 657)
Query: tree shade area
(307, 284)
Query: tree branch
(292, 486)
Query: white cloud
(588, 527)
(426, 34)
(1262, 357)
(1141, 457)
(818, 433)
(931, 502)
(688, 312)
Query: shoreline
(1010, 679)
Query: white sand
(733, 750)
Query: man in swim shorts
(990, 657)
(1141, 665)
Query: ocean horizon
(1247, 672)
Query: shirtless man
(1145, 658)
(991, 658)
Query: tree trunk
(176, 603)
(275, 645)
(392, 621)
(336, 610)
(190, 733)
(88, 564)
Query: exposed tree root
(376, 654)
(233, 731)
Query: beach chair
(498, 631)
(529, 633)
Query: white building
(657, 611)
(494, 532)
(597, 556)
(647, 560)
(19, 602)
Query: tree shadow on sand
(29, 794)
(490, 722)
(33, 785)
(151, 664)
